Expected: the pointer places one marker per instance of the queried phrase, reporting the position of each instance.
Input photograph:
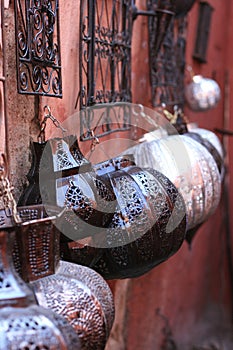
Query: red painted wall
(192, 289)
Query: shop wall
(187, 300)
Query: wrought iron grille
(105, 54)
(105, 50)
(38, 47)
(104, 119)
(167, 64)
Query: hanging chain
(95, 141)
(48, 115)
(6, 192)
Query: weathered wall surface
(186, 300)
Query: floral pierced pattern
(76, 200)
(36, 328)
(73, 300)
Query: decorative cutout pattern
(76, 200)
(105, 60)
(167, 67)
(36, 328)
(38, 47)
(77, 293)
(4, 281)
(105, 47)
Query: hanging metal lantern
(211, 148)
(139, 213)
(24, 324)
(208, 135)
(190, 167)
(75, 292)
(202, 93)
(148, 225)
(60, 175)
(205, 137)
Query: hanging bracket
(149, 13)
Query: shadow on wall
(209, 334)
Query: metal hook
(41, 136)
(48, 108)
(95, 141)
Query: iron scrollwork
(167, 61)
(38, 47)
(105, 54)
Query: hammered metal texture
(217, 150)
(210, 136)
(202, 93)
(34, 327)
(75, 292)
(98, 287)
(212, 150)
(190, 167)
(24, 324)
(83, 298)
(211, 178)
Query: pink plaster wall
(192, 288)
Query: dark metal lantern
(60, 175)
(139, 236)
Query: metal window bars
(105, 51)
(38, 47)
(167, 65)
(104, 56)
(105, 65)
